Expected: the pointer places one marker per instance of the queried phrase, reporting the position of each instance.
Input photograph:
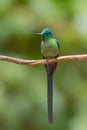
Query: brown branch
(43, 61)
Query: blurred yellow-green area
(23, 89)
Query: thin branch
(43, 61)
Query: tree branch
(43, 61)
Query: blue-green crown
(46, 33)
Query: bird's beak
(38, 33)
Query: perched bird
(49, 50)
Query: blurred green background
(23, 99)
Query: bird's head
(46, 34)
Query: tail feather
(49, 94)
(50, 98)
(50, 68)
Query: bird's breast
(49, 48)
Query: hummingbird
(49, 49)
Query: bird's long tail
(50, 94)
(50, 68)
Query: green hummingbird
(49, 49)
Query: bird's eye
(48, 33)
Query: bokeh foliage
(23, 88)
